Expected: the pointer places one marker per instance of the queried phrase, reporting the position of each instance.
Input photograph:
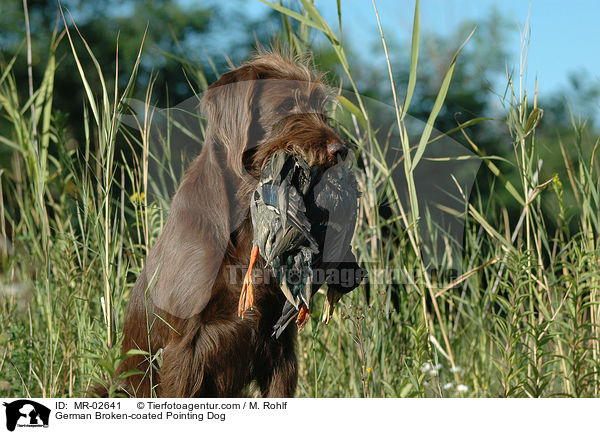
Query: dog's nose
(336, 148)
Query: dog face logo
(26, 413)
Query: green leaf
(130, 373)
(352, 108)
(414, 57)
(493, 232)
(8, 67)
(533, 120)
(294, 15)
(135, 352)
(86, 85)
(439, 101)
(317, 18)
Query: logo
(26, 413)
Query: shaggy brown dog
(185, 300)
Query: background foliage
(77, 217)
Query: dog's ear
(183, 266)
(227, 105)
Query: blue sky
(565, 36)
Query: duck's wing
(280, 194)
(280, 223)
(336, 195)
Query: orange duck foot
(247, 295)
(302, 316)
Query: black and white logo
(26, 413)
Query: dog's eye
(287, 105)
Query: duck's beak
(331, 300)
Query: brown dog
(185, 300)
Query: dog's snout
(336, 148)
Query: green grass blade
(86, 85)
(439, 101)
(414, 59)
(294, 15)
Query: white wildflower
(447, 386)
(426, 367)
(462, 388)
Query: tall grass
(522, 319)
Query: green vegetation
(522, 318)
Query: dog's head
(271, 102)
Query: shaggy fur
(185, 300)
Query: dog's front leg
(283, 381)
(280, 378)
(182, 371)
